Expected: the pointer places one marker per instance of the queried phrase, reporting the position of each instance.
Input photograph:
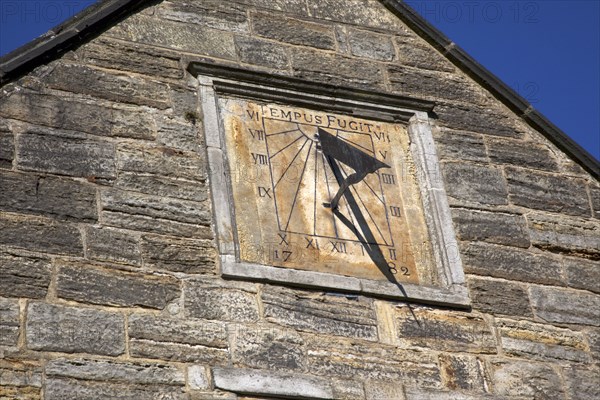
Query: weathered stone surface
(269, 348)
(133, 57)
(22, 393)
(499, 297)
(415, 52)
(463, 372)
(582, 382)
(89, 284)
(113, 371)
(347, 389)
(183, 340)
(521, 154)
(116, 87)
(210, 13)
(58, 198)
(378, 390)
(336, 70)
(198, 377)
(162, 186)
(427, 394)
(595, 194)
(319, 313)
(357, 12)
(79, 114)
(461, 146)
(500, 228)
(179, 255)
(510, 263)
(582, 274)
(20, 375)
(432, 84)
(7, 143)
(161, 161)
(547, 192)
(176, 35)
(478, 119)
(42, 150)
(262, 52)
(74, 330)
(71, 389)
(221, 300)
(293, 31)
(371, 45)
(475, 183)
(9, 322)
(178, 135)
(272, 383)
(522, 378)
(565, 235)
(23, 276)
(539, 341)
(37, 234)
(593, 338)
(353, 359)
(565, 305)
(439, 330)
(112, 245)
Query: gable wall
(108, 277)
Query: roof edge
(495, 85)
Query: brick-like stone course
(474, 183)
(24, 276)
(565, 306)
(499, 228)
(9, 322)
(7, 144)
(111, 245)
(217, 300)
(293, 31)
(499, 297)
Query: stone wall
(109, 285)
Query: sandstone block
(427, 394)
(336, 70)
(179, 255)
(80, 115)
(463, 372)
(176, 35)
(438, 330)
(268, 348)
(7, 144)
(566, 235)
(475, 183)
(318, 313)
(112, 245)
(378, 390)
(565, 305)
(162, 186)
(293, 31)
(212, 14)
(183, 340)
(121, 56)
(595, 194)
(42, 150)
(178, 135)
(58, 198)
(507, 229)
(415, 52)
(71, 389)
(9, 322)
(547, 192)
(521, 154)
(461, 146)
(499, 297)
(369, 13)
(522, 378)
(24, 376)
(120, 88)
(371, 45)
(89, 284)
(214, 299)
(593, 338)
(582, 382)
(262, 52)
(347, 389)
(43, 235)
(272, 383)
(478, 119)
(113, 371)
(22, 276)
(582, 274)
(432, 84)
(512, 263)
(74, 330)
(198, 377)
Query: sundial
(319, 191)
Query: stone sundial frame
(447, 286)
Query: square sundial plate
(326, 192)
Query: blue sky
(547, 50)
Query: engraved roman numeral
(252, 114)
(264, 192)
(283, 239)
(338, 247)
(260, 159)
(396, 212)
(388, 179)
(257, 134)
